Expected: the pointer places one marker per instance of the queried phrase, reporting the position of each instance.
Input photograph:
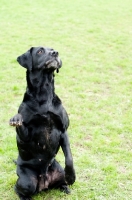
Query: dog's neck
(41, 87)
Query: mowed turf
(94, 39)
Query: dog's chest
(45, 135)
(43, 108)
(42, 137)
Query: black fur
(41, 126)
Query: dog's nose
(54, 53)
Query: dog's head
(40, 58)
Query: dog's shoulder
(27, 108)
(26, 112)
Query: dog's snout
(54, 53)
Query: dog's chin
(54, 64)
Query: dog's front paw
(16, 120)
(70, 175)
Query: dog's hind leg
(56, 176)
(26, 184)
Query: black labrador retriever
(41, 126)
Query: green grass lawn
(94, 39)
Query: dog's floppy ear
(25, 60)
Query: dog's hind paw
(65, 189)
(22, 197)
(16, 120)
(25, 198)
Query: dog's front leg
(17, 121)
(69, 168)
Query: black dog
(41, 126)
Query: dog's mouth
(54, 63)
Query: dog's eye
(40, 51)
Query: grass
(94, 40)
